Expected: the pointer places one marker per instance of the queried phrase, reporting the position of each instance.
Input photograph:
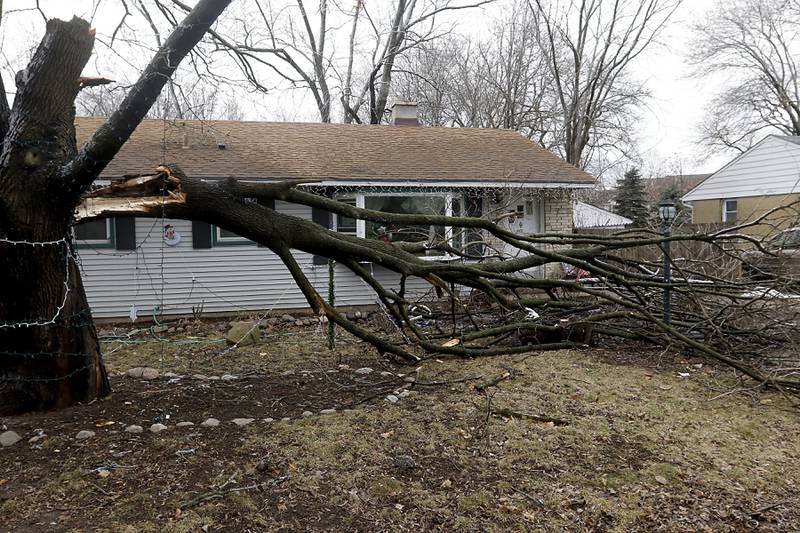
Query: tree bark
(49, 351)
(44, 304)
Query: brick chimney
(405, 114)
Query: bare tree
(753, 43)
(298, 44)
(500, 82)
(589, 46)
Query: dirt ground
(591, 440)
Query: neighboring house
(146, 266)
(761, 179)
(587, 216)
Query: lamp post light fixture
(666, 213)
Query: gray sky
(667, 133)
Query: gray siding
(222, 279)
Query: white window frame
(361, 225)
(725, 209)
(107, 241)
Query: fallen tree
(482, 305)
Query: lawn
(590, 440)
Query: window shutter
(201, 234)
(125, 233)
(323, 218)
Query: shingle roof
(335, 152)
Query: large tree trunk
(44, 304)
(49, 352)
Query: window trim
(361, 225)
(218, 240)
(109, 242)
(725, 210)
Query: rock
(213, 378)
(405, 462)
(85, 434)
(180, 329)
(285, 419)
(327, 411)
(243, 333)
(133, 428)
(364, 371)
(142, 373)
(287, 373)
(201, 377)
(273, 321)
(9, 438)
(241, 422)
(306, 414)
(210, 423)
(299, 322)
(268, 420)
(386, 374)
(228, 377)
(287, 318)
(358, 315)
(409, 379)
(149, 373)
(157, 428)
(171, 330)
(405, 394)
(160, 329)
(37, 438)
(184, 424)
(392, 398)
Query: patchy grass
(642, 450)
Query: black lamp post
(666, 213)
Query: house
(140, 267)
(587, 216)
(763, 178)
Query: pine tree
(630, 200)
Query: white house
(174, 266)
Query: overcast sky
(668, 132)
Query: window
(95, 234)
(346, 224)
(417, 205)
(223, 237)
(729, 210)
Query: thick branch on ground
(619, 301)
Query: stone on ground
(364, 371)
(244, 333)
(392, 398)
(241, 422)
(85, 434)
(157, 428)
(184, 424)
(405, 461)
(210, 423)
(133, 428)
(142, 373)
(9, 438)
(327, 411)
(306, 414)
